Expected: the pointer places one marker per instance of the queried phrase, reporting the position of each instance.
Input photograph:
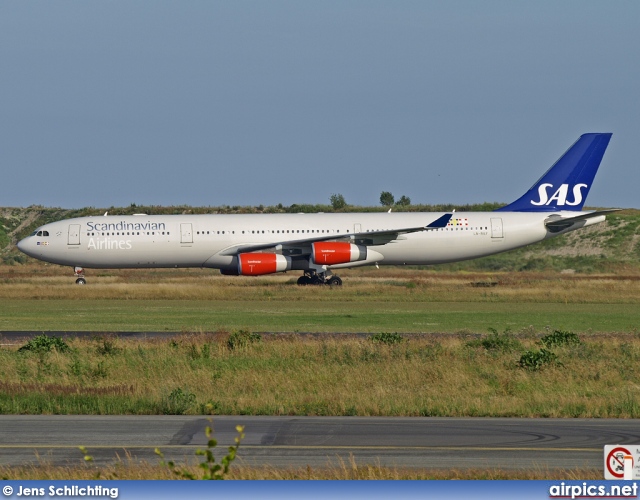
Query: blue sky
(251, 102)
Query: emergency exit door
(186, 233)
(496, 227)
(74, 234)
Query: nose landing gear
(79, 273)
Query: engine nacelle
(256, 264)
(327, 253)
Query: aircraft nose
(23, 245)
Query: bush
(558, 338)
(497, 341)
(242, 338)
(535, 360)
(44, 343)
(387, 338)
(179, 402)
(107, 348)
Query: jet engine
(256, 264)
(330, 253)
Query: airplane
(318, 244)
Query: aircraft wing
(366, 238)
(558, 223)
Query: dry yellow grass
(387, 284)
(338, 471)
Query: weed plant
(209, 469)
(560, 338)
(536, 360)
(496, 341)
(387, 338)
(242, 338)
(45, 343)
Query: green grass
(310, 316)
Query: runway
(451, 443)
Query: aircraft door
(496, 227)
(357, 228)
(186, 233)
(74, 234)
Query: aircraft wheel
(334, 281)
(81, 281)
(317, 280)
(304, 280)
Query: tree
(404, 201)
(386, 199)
(337, 201)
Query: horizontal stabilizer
(559, 223)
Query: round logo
(615, 461)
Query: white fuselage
(148, 241)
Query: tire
(304, 280)
(81, 281)
(334, 281)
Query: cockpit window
(40, 233)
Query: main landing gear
(79, 273)
(314, 278)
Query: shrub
(558, 338)
(496, 341)
(535, 360)
(386, 338)
(44, 343)
(107, 348)
(179, 401)
(242, 338)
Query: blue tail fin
(566, 184)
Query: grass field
(297, 316)
(435, 371)
(440, 368)
(415, 375)
(389, 300)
